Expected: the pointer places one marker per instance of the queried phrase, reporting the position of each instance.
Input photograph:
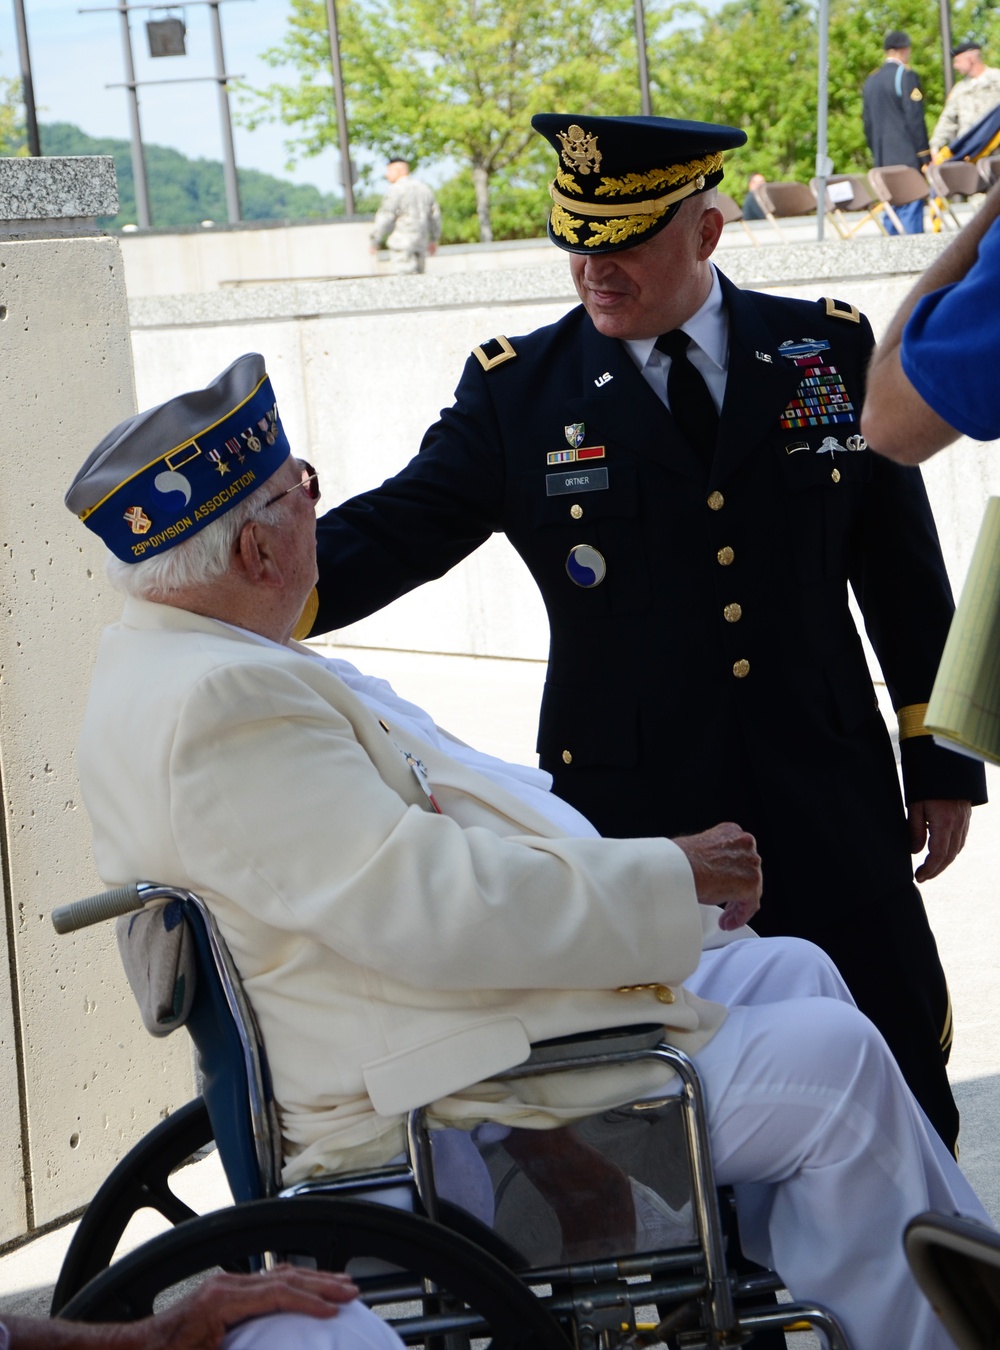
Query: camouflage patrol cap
(622, 179)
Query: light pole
(338, 95)
(27, 87)
(640, 42)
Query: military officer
(679, 464)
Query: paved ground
(493, 704)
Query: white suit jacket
(394, 957)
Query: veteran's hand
(942, 826)
(200, 1321)
(726, 867)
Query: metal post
(640, 43)
(27, 87)
(949, 78)
(823, 164)
(138, 157)
(338, 94)
(228, 149)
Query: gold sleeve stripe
(911, 721)
(948, 1031)
(305, 621)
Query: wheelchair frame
(591, 1299)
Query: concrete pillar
(79, 1079)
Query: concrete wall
(361, 368)
(78, 1081)
(196, 260)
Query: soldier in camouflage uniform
(972, 98)
(408, 220)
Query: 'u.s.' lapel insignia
(764, 356)
(574, 434)
(604, 379)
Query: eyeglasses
(308, 480)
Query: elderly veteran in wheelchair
(408, 916)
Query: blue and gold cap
(163, 475)
(622, 179)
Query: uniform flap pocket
(594, 490)
(821, 457)
(589, 727)
(454, 1060)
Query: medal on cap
(585, 566)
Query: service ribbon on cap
(185, 489)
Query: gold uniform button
(725, 556)
(836, 475)
(576, 510)
(567, 757)
(741, 669)
(733, 613)
(716, 501)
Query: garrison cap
(896, 41)
(621, 179)
(158, 478)
(969, 45)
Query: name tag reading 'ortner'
(593, 480)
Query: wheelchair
(530, 1274)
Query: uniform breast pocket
(823, 478)
(583, 540)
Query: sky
(74, 56)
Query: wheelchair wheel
(475, 1296)
(140, 1181)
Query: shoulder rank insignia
(494, 353)
(840, 309)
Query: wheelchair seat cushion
(157, 952)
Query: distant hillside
(186, 191)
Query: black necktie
(692, 405)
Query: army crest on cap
(579, 150)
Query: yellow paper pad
(964, 708)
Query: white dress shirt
(708, 330)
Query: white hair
(200, 559)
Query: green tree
(451, 79)
(12, 132)
(755, 65)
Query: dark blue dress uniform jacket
(893, 115)
(715, 673)
(644, 724)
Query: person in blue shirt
(932, 378)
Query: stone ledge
(57, 188)
(772, 266)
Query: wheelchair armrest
(586, 1044)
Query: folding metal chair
(954, 178)
(848, 192)
(597, 1300)
(781, 200)
(732, 213)
(899, 185)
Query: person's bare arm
(727, 871)
(896, 420)
(201, 1319)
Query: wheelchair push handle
(96, 908)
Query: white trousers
(355, 1327)
(828, 1152)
